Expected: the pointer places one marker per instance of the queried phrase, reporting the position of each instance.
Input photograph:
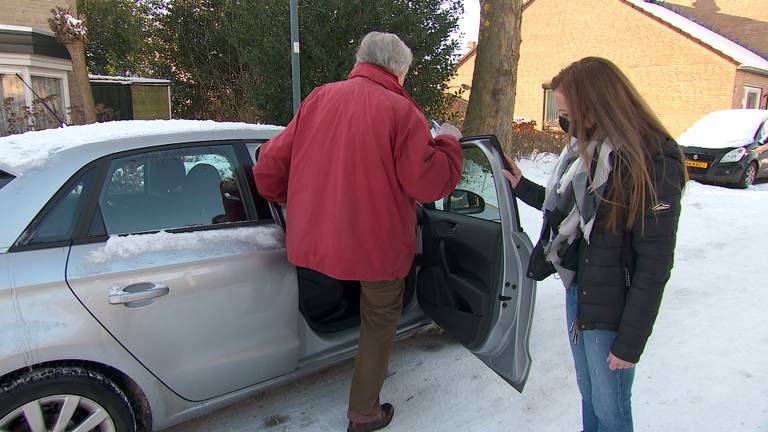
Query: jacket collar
(382, 77)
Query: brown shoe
(385, 417)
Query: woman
(610, 220)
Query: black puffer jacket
(609, 297)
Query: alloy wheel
(58, 413)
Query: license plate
(696, 164)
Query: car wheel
(64, 399)
(750, 173)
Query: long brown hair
(599, 94)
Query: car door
(181, 267)
(471, 279)
(762, 150)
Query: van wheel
(64, 399)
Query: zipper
(574, 331)
(627, 277)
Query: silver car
(144, 281)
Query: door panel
(209, 307)
(459, 272)
(228, 320)
(472, 280)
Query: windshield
(5, 178)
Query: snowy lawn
(705, 367)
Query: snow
(743, 56)
(704, 369)
(22, 152)
(724, 129)
(127, 80)
(225, 241)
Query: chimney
(472, 45)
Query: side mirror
(463, 202)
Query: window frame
(748, 89)
(81, 211)
(87, 208)
(48, 71)
(6, 178)
(549, 99)
(465, 148)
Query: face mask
(565, 125)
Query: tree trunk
(82, 85)
(492, 100)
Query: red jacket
(351, 165)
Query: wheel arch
(133, 391)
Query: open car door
(471, 278)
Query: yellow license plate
(696, 164)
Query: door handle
(446, 229)
(140, 292)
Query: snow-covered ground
(705, 367)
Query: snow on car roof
(20, 153)
(723, 129)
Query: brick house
(32, 61)
(686, 57)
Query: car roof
(78, 145)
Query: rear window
(5, 178)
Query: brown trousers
(381, 304)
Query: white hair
(385, 50)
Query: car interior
(330, 305)
(455, 278)
(199, 196)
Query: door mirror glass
(463, 202)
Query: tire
(47, 393)
(749, 176)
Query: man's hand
(615, 363)
(449, 129)
(515, 175)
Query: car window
(5, 178)
(58, 223)
(477, 178)
(762, 135)
(158, 190)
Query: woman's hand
(615, 363)
(515, 174)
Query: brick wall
(31, 13)
(745, 21)
(752, 80)
(680, 79)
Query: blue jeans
(605, 394)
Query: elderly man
(350, 167)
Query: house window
(32, 98)
(752, 97)
(550, 110)
(11, 106)
(48, 91)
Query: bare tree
(492, 100)
(72, 33)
